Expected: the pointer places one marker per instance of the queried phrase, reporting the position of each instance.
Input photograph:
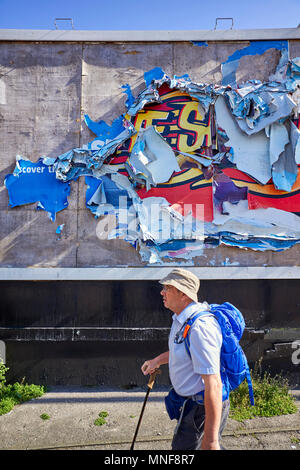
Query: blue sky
(149, 15)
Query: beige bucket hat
(183, 280)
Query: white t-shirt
(205, 347)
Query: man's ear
(184, 296)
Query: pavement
(72, 413)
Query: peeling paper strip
(259, 222)
(104, 196)
(155, 74)
(102, 130)
(282, 158)
(152, 159)
(274, 106)
(250, 153)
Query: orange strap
(186, 330)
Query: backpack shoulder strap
(188, 325)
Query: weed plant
(101, 420)
(19, 392)
(271, 397)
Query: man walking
(196, 377)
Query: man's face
(172, 297)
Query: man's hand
(209, 445)
(151, 365)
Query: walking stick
(150, 386)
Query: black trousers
(190, 427)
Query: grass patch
(14, 394)
(44, 416)
(101, 420)
(271, 398)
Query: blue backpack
(233, 362)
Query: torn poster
(187, 165)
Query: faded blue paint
(230, 67)
(130, 98)
(199, 43)
(59, 229)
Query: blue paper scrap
(36, 182)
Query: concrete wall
(72, 332)
(89, 332)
